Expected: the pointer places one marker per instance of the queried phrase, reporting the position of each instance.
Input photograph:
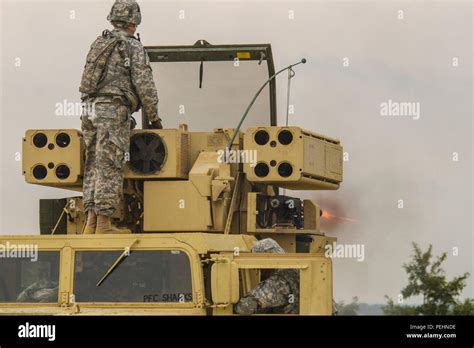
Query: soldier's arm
(142, 80)
(271, 293)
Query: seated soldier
(277, 293)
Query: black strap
(113, 78)
(201, 72)
(108, 81)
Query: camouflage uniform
(267, 245)
(278, 294)
(106, 130)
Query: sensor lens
(285, 169)
(261, 170)
(63, 139)
(40, 140)
(261, 137)
(40, 172)
(285, 137)
(63, 172)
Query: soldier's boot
(91, 223)
(104, 226)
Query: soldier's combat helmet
(267, 245)
(125, 11)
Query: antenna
(289, 67)
(291, 74)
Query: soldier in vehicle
(277, 293)
(40, 280)
(116, 82)
(42, 291)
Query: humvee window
(34, 278)
(143, 276)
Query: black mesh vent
(147, 153)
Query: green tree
(428, 279)
(464, 308)
(348, 309)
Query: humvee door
(233, 276)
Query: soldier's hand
(156, 124)
(247, 305)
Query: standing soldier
(116, 82)
(278, 293)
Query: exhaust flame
(329, 216)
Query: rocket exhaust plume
(334, 214)
(329, 216)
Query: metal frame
(202, 51)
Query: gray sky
(390, 157)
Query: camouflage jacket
(136, 85)
(278, 294)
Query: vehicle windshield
(227, 89)
(29, 276)
(143, 276)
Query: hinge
(217, 259)
(64, 298)
(223, 260)
(219, 305)
(68, 302)
(200, 300)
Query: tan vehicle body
(193, 216)
(228, 256)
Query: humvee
(195, 201)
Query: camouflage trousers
(106, 133)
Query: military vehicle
(195, 202)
